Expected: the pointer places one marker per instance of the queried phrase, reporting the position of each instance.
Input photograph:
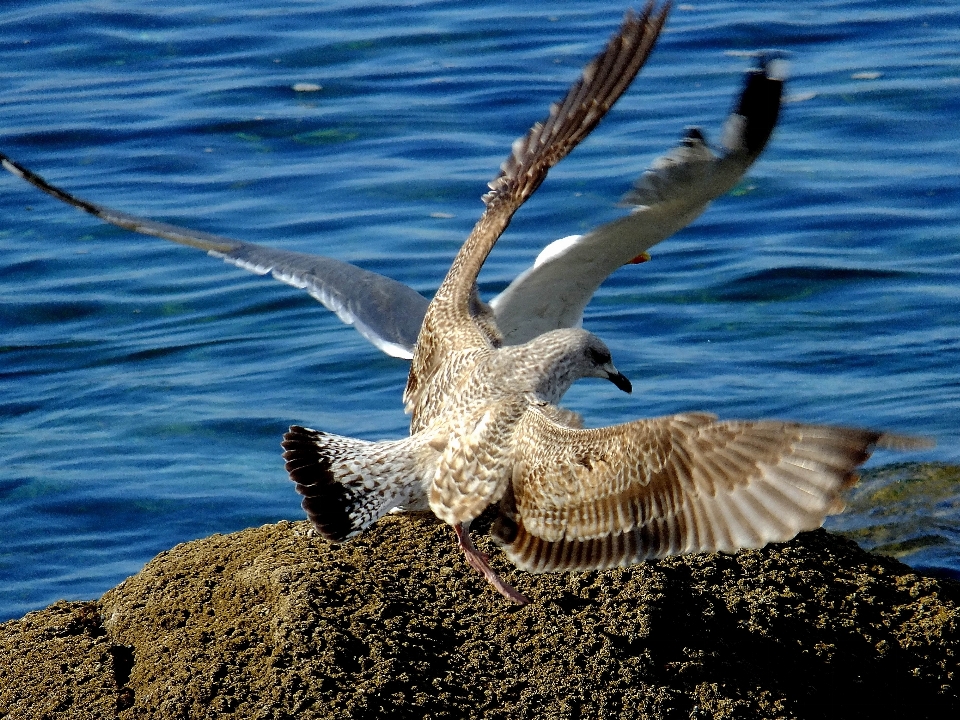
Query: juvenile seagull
(552, 293)
(486, 427)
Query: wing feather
(384, 311)
(676, 189)
(588, 499)
(450, 323)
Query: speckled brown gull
(486, 428)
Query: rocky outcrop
(274, 622)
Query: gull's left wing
(386, 312)
(456, 321)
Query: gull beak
(617, 378)
(641, 258)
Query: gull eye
(599, 357)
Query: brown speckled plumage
(590, 499)
(451, 324)
(486, 427)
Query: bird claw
(481, 563)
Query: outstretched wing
(451, 322)
(676, 189)
(550, 295)
(386, 312)
(590, 499)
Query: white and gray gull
(551, 294)
(486, 428)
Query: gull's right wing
(676, 189)
(613, 496)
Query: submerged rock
(274, 622)
(910, 511)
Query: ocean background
(144, 387)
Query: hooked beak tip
(622, 382)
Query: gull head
(559, 358)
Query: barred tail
(348, 484)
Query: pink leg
(479, 562)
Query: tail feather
(349, 484)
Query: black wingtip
(759, 103)
(326, 502)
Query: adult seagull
(552, 293)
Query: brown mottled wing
(451, 322)
(589, 499)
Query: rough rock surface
(274, 622)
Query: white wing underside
(556, 290)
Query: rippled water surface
(144, 387)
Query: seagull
(487, 429)
(551, 294)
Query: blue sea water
(144, 387)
